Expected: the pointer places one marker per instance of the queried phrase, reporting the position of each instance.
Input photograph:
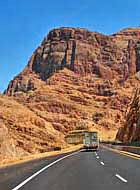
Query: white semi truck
(91, 141)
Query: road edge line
(41, 170)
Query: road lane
(125, 166)
(42, 170)
(11, 176)
(81, 171)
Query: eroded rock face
(23, 132)
(74, 75)
(83, 52)
(131, 129)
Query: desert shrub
(96, 117)
(57, 148)
(82, 124)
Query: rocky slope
(75, 79)
(22, 132)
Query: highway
(101, 170)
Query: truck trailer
(91, 141)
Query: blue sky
(24, 24)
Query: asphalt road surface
(101, 170)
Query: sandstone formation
(131, 129)
(22, 132)
(84, 53)
(75, 76)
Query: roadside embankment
(38, 156)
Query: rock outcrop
(131, 129)
(83, 52)
(75, 76)
(22, 132)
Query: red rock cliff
(131, 129)
(83, 52)
(76, 77)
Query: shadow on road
(88, 150)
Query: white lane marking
(102, 163)
(121, 178)
(97, 157)
(37, 173)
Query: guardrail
(134, 143)
(132, 149)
